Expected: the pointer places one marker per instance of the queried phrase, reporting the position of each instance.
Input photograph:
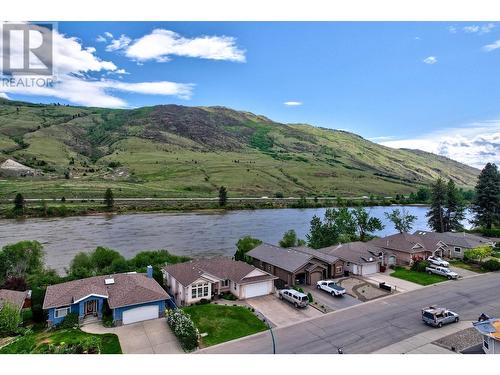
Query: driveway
(462, 272)
(148, 337)
(281, 313)
(332, 303)
(401, 285)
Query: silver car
(438, 316)
(296, 298)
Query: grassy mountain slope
(190, 151)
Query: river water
(190, 233)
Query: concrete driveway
(148, 337)
(462, 272)
(281, 313)
(333, 303)
(401, 285)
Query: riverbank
(37, 208)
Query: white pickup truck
(331, 287)
(443, 271)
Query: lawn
(421, 278)
(223, 323)
(467, 266)
(37, 342)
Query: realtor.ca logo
(27, 55)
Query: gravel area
(461, 340)
(361, 289)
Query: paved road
(374, 325)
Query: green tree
(222, 196)
(81, 266)
(108, 198)
(402, 219)
(9, 319)
(486, 205)
(423, 194)
(243, 246)
(455, 208)
(290, 240)
(478, 253)
(365, 224)
(19, 202)
(436, 213)
(21, 259)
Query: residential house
(490, 329)
(193, 281)
(360, 258)
(19, 300)
(128, 297)
(402, 248)
(451, 244)
(299, 265)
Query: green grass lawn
(467, 266)
(38, 342)
(421, 278)
(224, 323)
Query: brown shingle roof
(127, 289)
(404, 242)
(287, 259)
(462, 239)
(220, 267)
(355, 252)
(13, 297)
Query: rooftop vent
(109, 281)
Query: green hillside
(190, 151)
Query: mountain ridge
(173, 150)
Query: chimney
(150, 271)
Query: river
(189, 233)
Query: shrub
(70, 321)
(491, 265)
(183, 328)
(419, 265)
(310, 297)
(229, 297)
(86, 345)
(9, 320)
(203, 301)
(107, 321)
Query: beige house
(190, 282)
(402, 248)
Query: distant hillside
(172, 150)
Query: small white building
(490, 329)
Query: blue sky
(433, 86)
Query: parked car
(438, 316)
(437, 261)
(443, 271)
(295, 297)
(331, 287)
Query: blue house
(127, 297)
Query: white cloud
(430, 60)
(4, 95)
(108, 35)
(100, 39)
(161, 44)
(492, 46)
(474, 144)
(452, 29)
(479, 29)
(292, 104)
(117, 44)
(471, 29)
(75, 66)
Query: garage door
(139, 314)
(315, 277)
(369, 269)
(257, 289)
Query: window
(225, 283)
(486, 343)
(62, 312)
(234, 286)
(199, 290)
(338, 269)
(268, 268)
(457, 249)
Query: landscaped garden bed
(220, 323)
(63, 341)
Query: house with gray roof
(451, 244)
(298, 265)
(360, 258)
(402, 248)
(199, 279)
(129, 297)
(15, 298)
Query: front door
(91, 307)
